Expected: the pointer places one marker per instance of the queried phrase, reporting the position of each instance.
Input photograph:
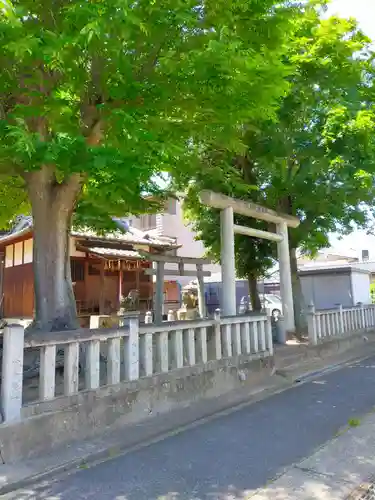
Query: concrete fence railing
(341, 321)
(93, 358)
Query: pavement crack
(315, 473)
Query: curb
(106, 453)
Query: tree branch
(95, 136)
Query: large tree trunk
(52, 209)
(254, 294)
(299, 306)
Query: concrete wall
(91, 413)
(325, 291)
(66, 419)
(326, 288)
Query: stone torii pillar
(228, 267)
(286, 289)
(230, 206)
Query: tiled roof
(132, 236)
(127, 235)
(112, 252)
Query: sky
(364, 12)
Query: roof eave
(14, 236)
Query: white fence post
(217, 328)
(341, 320)
(12, 372)
(237, 339)
(146, 348)
(47, 372)
(363, 317)
(245, 337)
(262, 336)
(269, 339)
(114, 361)
(162, 349)
(311, 325)
(189, 342)
(92, 368)
(227, 341)
(178, 349)
(71, 367)
(132, 350)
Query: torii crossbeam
(228, 207)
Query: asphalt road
(229, 457)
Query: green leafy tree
(96, 98)
(316, 159)
(236, 178)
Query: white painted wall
(22, 252)
(325, 291)
(171, 223)
(361, 287)
(28, 251)
(9, 256)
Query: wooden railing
(341, 321)
(92, 358)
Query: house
(327, 286)
(171, 224)
(105, 269)
(327, 256)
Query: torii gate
(230, 206)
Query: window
(18, 253)
(148, 221)
(78, 270)
(171, 207)
(9, 256)
(28, 251)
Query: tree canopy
(96, 98)
(316, 159)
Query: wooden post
(102, 295)
(138, 281)
(86, 282)
(201, 296)
(120, 276)
(159, 293)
